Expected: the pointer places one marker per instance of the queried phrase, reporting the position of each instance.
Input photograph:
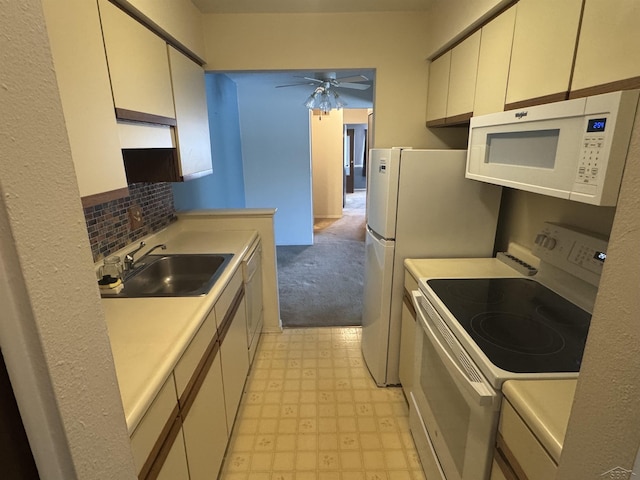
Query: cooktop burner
(519, 324)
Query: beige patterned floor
(312, 412)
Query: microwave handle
(482, 393)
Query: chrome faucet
(129, 261)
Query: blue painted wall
(225, 188)
(274, 126)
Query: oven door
(458, 407)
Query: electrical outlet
(135, 217)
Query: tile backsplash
(108, 223)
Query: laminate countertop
(149, 335)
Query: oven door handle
(468, 377)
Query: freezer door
(382, 191)
(377, 304)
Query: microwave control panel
(592, 151)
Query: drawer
(188, 366)
(155, 424)
(229, 293)
(521, 448)
(410, 283)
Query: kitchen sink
(178, 275)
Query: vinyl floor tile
(311, 411)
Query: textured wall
(604, 429)
(52, 333)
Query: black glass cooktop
(519, 324)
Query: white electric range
(475, 333)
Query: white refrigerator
(419, 205)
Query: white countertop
(148, 335)
(458, 268)
(545, 406)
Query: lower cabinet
(407, 335)
(174, 466)
(205, 425)
(233, 350)
(184, 433)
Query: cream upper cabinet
(85, 92)
(194, 146)
(608, 45)
(544, 44)
(493, 63)
(462, 78)
(438, 88)
(138, 64)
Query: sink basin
(179, 275)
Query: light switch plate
(135, 217)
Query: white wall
(327, 160)
(52, 333)
(392, 43)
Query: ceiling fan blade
(316, 80)
(294, 85)
(355, 86)
(354, 78)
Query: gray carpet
(322, 285)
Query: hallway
(322, 285)
(311, 411)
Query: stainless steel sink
(178, 275)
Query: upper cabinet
(194, 147)
(544, 44)
(493, 63)
(138, 66)
(608, 57)
(85, 93)
(438, 89)
(462, 79)
(452, 82)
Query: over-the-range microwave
(575, 149)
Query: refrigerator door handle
(377, 236)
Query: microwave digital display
(596, 124)
(600, 256)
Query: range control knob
(550, 243)
(540, 239)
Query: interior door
(351, 153)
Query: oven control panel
(576, 251)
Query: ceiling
(311, 6)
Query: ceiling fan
(324, 96)
(329, 80)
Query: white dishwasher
(252, 275)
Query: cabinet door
(205, 425)
(192, 120)
(174, 466)
(438, 89)
(85, 92)
(608, 46)
(235, 361)
(544, 44)
(497, 473)
(462, 79)
(407, 346)
(493, 63)
(138, 64)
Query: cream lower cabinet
(175, 465)
(233, 345)
(544, 43)
(205, 425)
(407, 335)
